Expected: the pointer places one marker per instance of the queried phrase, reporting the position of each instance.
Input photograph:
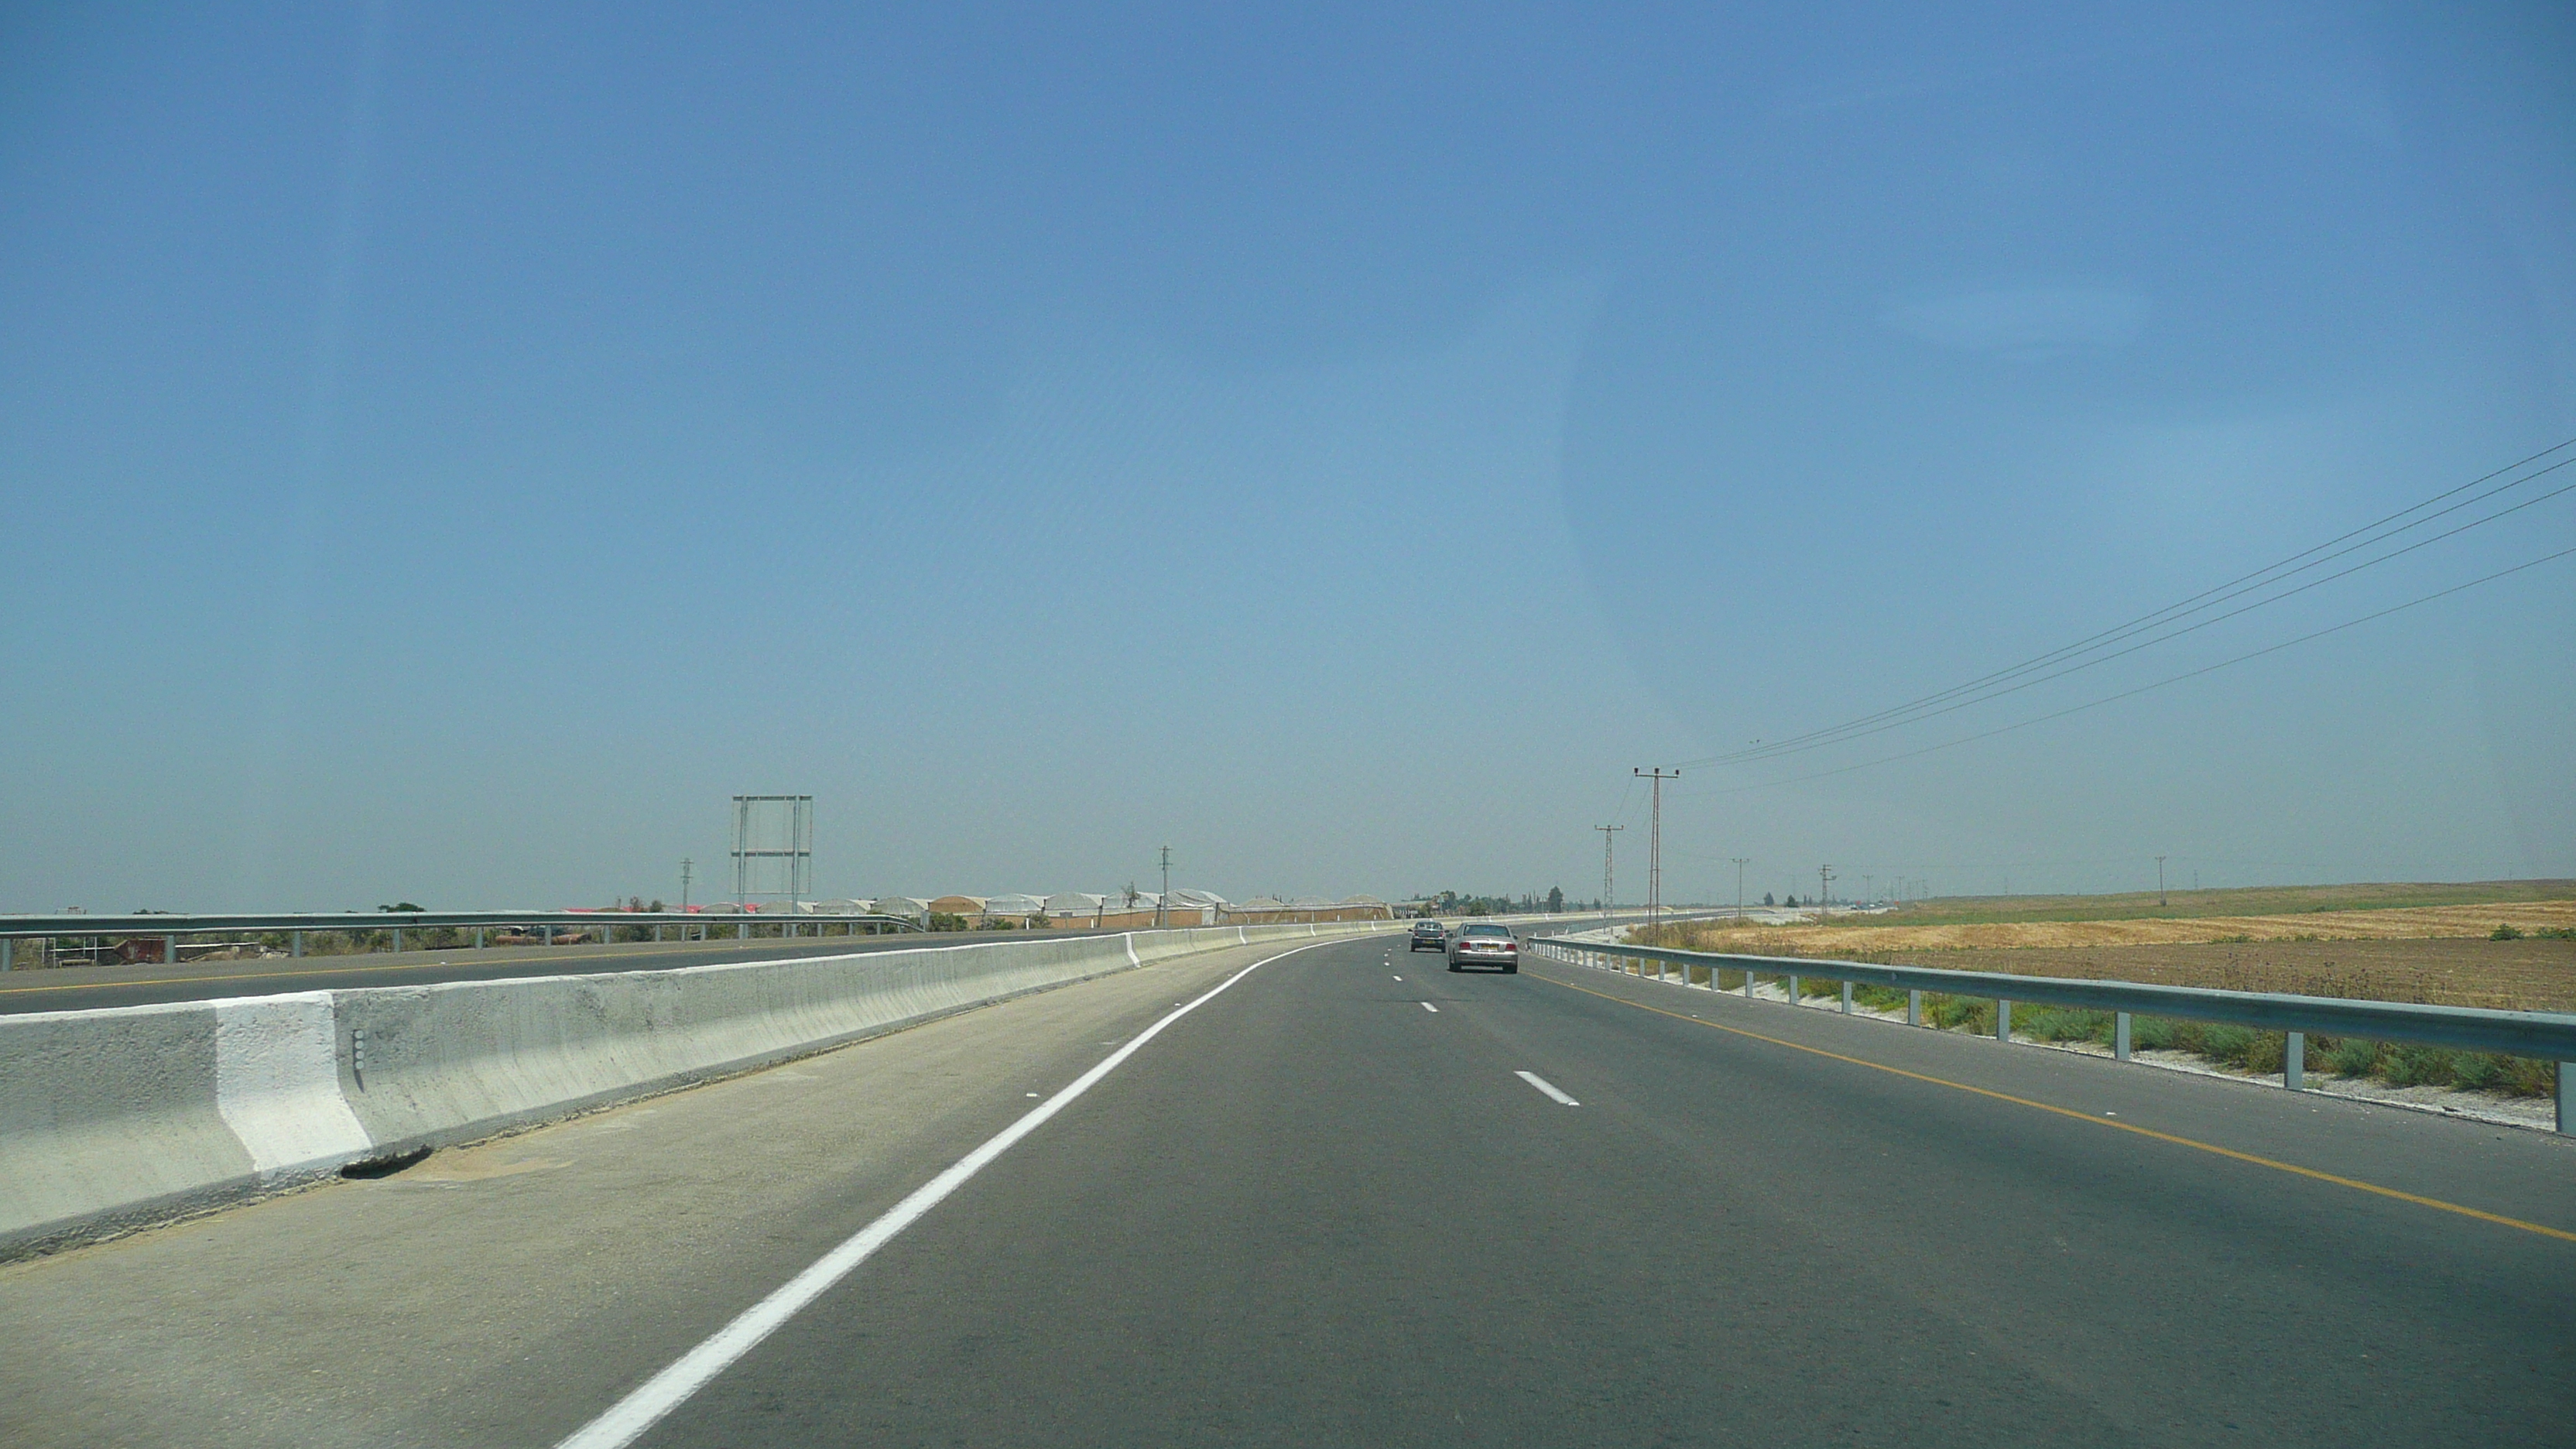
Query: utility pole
(2160, 881)
(1655, 848)
(1868, 890)
(1824, 892)
(1609, 880)
(688, 868)
(1739, 883)
(1163, 904)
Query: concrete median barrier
(121, 1117)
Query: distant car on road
(1485, 943)
(1428, 936)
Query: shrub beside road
(2513, 949)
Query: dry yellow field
(2423, 923)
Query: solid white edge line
(1544, 1085)
(628, 1419)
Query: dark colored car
(1428, 936)
(1485, 944)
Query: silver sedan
(1485, 944)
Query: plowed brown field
(2521, 975)
(2436, 954)
(2416, 924)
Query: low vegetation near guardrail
(2400, 943)
(2245, 1049)
(2242, 1048)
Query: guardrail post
(2567, 1096)
(2003, 1019)
(741, 931)
(2120, 1036)
(1748, 983)
(2294, 1061)
(295, 943)
(1847, 998)
(170, 949)
(478, 938)
(8, 953)
(1793, 991)
(398, 938)
(1913, 1008)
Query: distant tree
(656, 906)
(1555, 899)
(1766, 898)
(399, 906)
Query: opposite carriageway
(675, 942)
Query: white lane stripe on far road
(1427, 1006)
(1544, 1085)
(629, 1417)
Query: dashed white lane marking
(1427, 1006)
(1399, 978)
(628, 1418)
(1544, 1085)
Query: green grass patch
(2257, 1053)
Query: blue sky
(447, 452)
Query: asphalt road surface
(1356, 1199)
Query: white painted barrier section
(131, 1115)
(277, 1085)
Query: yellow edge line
(2210, 1147)
(340, 970)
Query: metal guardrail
(2546, 1035)
(169, 928)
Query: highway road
(1354, 1199)
(84, 988)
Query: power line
(2161, 683)
(2235, 588)
(1773, 752)
(1911, 714)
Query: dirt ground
(2525, 975)
(1872, 942)
(2230, 901)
